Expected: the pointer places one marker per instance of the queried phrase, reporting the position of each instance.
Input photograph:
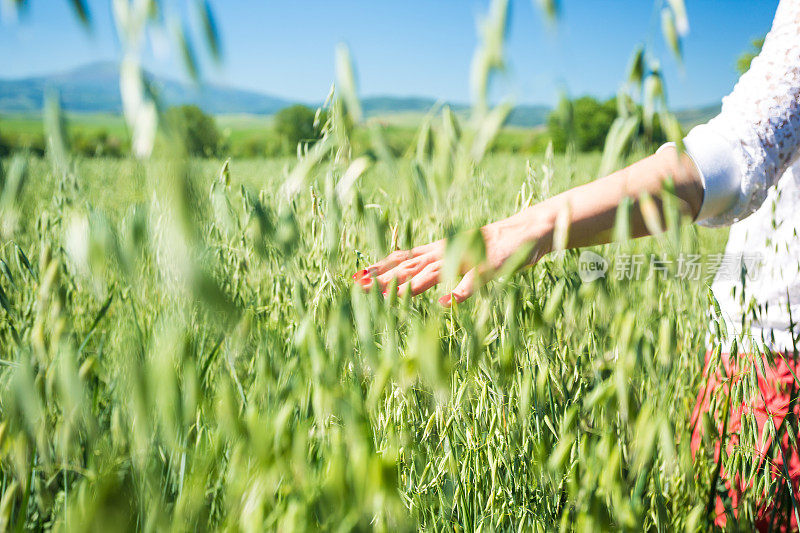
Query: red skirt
(775, 389)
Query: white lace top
(746, 157)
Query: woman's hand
(420, 268)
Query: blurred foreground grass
(261, 391)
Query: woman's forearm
(592, 207)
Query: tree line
(582, 123)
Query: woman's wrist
(536, 226)
(530, 226)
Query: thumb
(462, 291)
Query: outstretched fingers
(418, 274)
(365, 277)
(415, 271)
(400, 265)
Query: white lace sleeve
(744, 150)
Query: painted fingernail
(360, 274)
(445, 300)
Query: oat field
(182, 347)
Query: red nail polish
(445, 300)
(360, 274)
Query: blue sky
(413, 47)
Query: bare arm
(593, 206)
(592, 212)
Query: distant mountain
(95, 88)
(528, 116)
(525, 116)
(381, 105)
